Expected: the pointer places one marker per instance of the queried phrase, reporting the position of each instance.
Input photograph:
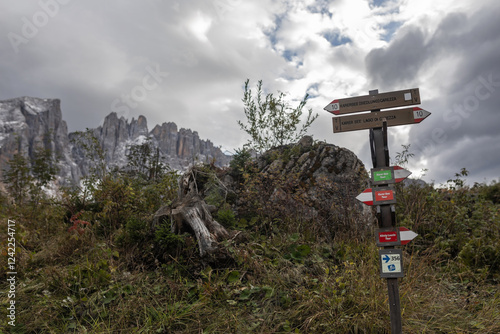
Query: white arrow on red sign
(394, 236)
(406, 235)
(377, 196)
(400, 173)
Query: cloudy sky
(186, 62)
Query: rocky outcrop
(179, 148)
(28, 123)
(320, 178)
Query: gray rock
(27, 123)
(325, 178)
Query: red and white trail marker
(377, 196)
(406, 235)
(394, 236)
(400, 174)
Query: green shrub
(226, 216)
(167, 240)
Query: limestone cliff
(28, 123)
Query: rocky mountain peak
(27, 123)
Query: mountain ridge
(28, 123)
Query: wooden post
(380, 158)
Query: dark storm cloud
(92, 54)
(399, 63)
(463, 128)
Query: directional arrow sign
(393, 117)
(391, 263)
(349, 105)
(388, 237)
(394, 236)
(406, 235)
(378, 196)
(388, 175)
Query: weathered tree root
(191, 213)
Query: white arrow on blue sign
(391, 263)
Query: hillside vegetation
(91, 261)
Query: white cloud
(199, 26)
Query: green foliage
(25, 180)
(95, 155)
(298, 252)
(240, 163)
(226, 216)
(404, 156)
(240, 159)
(271, 121)
(18, 178)
(459, 181)
(143, 161)
(492, 192)
(459, 225)
(121, 199)
(167, 240)
(44, 167)
(136, 230)
(95, 162)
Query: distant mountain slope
(28, 123)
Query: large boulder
(315, 180)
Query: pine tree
(17, 178)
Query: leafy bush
(271, 121)
(458, 224)
(492, 192)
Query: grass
(333, 289)
(285, 278)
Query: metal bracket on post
(372, 147)
(386, 147)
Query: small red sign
(384, 195)
(389, 236)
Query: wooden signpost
(374, 101)
(382, 194)
(376, 119)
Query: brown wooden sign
(375, 119)
(399, 98)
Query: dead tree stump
(191, 213)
